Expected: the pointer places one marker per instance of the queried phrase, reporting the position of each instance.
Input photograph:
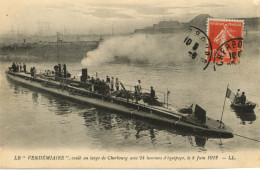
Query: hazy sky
(89, 16)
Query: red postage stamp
(226, 37)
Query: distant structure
(162, 27)
(200, 21)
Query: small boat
(236, 103)
(194, 121)
(247, 107)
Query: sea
(32, 119)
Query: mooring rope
(247, 137)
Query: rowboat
(247, 107)
(236, 103)
(194, 121)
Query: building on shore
(162, 27)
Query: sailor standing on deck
(112, 84)
(108, 81)
(117, 84)
(152, 93)
(92, 84)
(24, 67)
(65, 70)
(17, 67)
(34, 72)
(31, 71)
(59, 69)
(14, 67)
(138, 90)
(139, 87)
(20, 65)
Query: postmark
(196, 42)
(223, 42)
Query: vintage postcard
(129, 84)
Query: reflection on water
(201, 142)
(35, 97)
(63, 108)
(61, 123)
(99, 121)
(246, 117)
(129, 126)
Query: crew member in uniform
(24, 67)
(65, 70)
(243, 98)
(112, 84)
(152, 94)
(117, 84)
(139, 87)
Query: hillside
(200, 21)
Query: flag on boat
(230, 94)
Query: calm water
(32, 119)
